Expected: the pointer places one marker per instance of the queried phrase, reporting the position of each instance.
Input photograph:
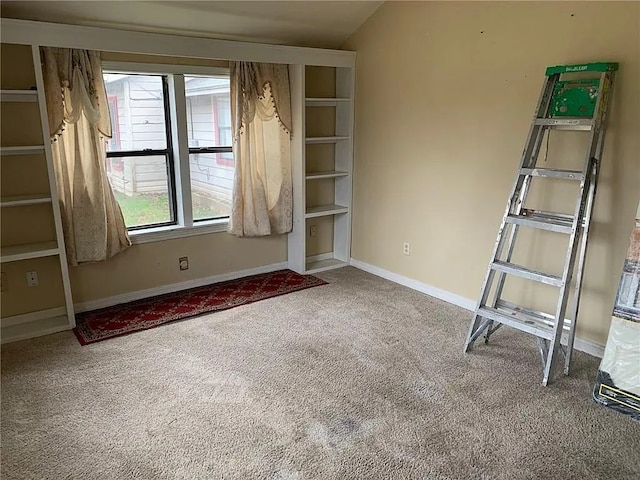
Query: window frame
(178, 144)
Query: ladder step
(517, 320)
(537, 315)
(553, 173)
(566, 123)
(523, 272)
(551, 224)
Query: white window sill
(158, 234)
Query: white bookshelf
(19, 96)
(15, 253)
(21, 150)
(49, 320)
(334, 179)
(24, 200)
(325, 174)
(332, 139)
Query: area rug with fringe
(99, 325)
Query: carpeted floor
(357, 379)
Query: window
(170, 171)
(140, 161)
(210, 154)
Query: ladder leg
(580, 267)
(543, 347)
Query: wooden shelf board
(325, 210)
(325, 139)
(27, 251)
(37, 328)
(325, 174)
(30, 96)
(315, 266)
(22, 200)
(22, 150)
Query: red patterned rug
(126, 318)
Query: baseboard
(582, 344)
(175, 287)
(416, 285)
(320, 257)
(588, 346)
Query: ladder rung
(537, 315)
(543, 223)
(566, 123)
(527, 273)
(518, 320)
(553, 173)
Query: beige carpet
(358, 379)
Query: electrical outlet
(405, 248)
(184, 263)
(3, 282)
(32, 279)
(313, 231)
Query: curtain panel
(79, 122)
(261, 124)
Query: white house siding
(211, 177)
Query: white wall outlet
(405, 248)
(313, 230)
(3, 282)
(184, 263)
(32, 279)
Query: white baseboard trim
(588, 346)
(320, 257)
(175, 287)
(416, 285)
(582, 344)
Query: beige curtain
(261, 123)
(79, 120)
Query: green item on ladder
(564, 104)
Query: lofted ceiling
(325, 24)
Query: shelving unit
(326, 139)
(54, 312)
(21, 150)
(323, 164)
(26, 251)
(30, 96)
(323, 175)
(23, 200)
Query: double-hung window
(170, 160)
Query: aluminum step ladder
(577, 103)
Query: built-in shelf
(315, 266)
(19, 96)
(325, 102)
(26, 150)
(32, 317)
(27, 251)
(326, 174)
(22, 200)
(325, 210)
(37, 328)
(325, 139)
